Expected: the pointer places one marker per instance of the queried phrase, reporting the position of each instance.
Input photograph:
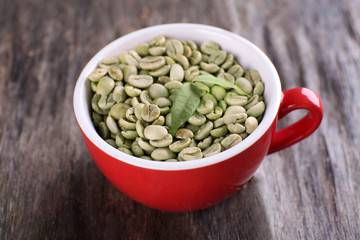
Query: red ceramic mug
(198, 184)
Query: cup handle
(293, 99)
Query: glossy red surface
(293, 99)
(182, 190)
(198, 188)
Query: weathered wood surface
(51, 189)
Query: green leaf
(218, 81)
(185, 104)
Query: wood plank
(51, 189)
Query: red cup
(198, 184)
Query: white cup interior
(248, 55)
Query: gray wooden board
(51, 189)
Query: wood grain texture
(51, 189)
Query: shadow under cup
(197, 184)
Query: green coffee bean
(217, 57)
(243, 135)
(219, 122)
(251, 124)
(228, 62)
(161, 154)
(204, 131)
(150, 112)
(158, 41)
(253, 76)
(258, 89)
(97, 118)
(173, 85)
(212, 150)
(236, 127)
(130, 115)
(157, 90)
(106, 102)
(97, 74)
(236, 70)
(197, 119)
(128, 71)
(179, 145)
(164, 110)
(127, 125)
(182, 60)
(231, 140)
(119, 140)
(155, 132)
(169, 61)
(176, 73)
(223, 105)
(105, 86)
(234, 118)
(251, 102)
(192, 128)
(140, 81)
(209, 67)
(256, 110)
(196, 57)
(142, 49)
(234, 110)
(119, 110)
(112, 125)
(145, 97)
(191, 72)
(138, 109)
(205, 143)
(226, 76)
(232, 98)
(187, 52)
(132, 58)
(168, 120)
(215, 114)
(190, 153)
(139, 126)
(152, 63)
(146, 146)
(219, 132)
(109, 62)
(205, 107)
(173, 47)
(129, 134)
(134, 101)
(203, 89)
(93, 86)
(218, 92)
(244, 85)
(161, 71)
(209, 47)
(157, 51)
(131, 91)
(162, 102)
(160, 120)
(183, 133)
(103, 130)
(164, 142)
(125, 150)
(119, 94)
(136, 149)
(210, 97)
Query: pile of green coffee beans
(133, 95)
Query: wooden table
(50, 187)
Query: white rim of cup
(81, 100)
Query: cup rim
(83, 118)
